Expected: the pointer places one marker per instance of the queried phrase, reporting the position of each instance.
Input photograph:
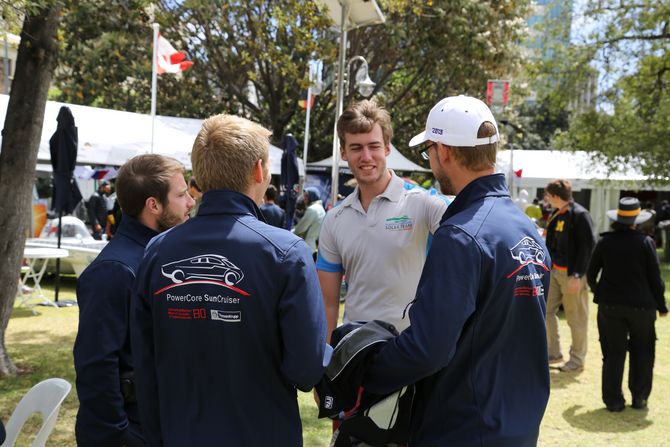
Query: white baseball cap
(455, 120)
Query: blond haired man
(229, 318)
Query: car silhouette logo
(213, 267)
(528, 251)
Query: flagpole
(304, 150)
(154, 84)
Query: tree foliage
(629, 46)
(251, 58)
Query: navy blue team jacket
(476, 344)
(102, 348)
(228, 322)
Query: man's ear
(443, 153)
(387, 149)
(258, 172)
(152, 205)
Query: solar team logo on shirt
(402, 223)
(528, 251)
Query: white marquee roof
(110, 137)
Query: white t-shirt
(381, 252)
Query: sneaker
(616, 408)
(553, 360)
(639, 404)
(571, 366)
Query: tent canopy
(110, 137)
(540, 167)
(395, 161)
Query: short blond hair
(480, 157)
(226, 150)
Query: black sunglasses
(425, 153)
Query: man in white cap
(476, 345)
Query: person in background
(534, 211)
(97, 209)
(152, 193)
(664, 211)
(309, 225)
(570, 239)
(648, 226)
(274, 215)
(476, 346)
(625, 276)
(228, 320)
(196, 193)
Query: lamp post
(348, 15)
(315, 87)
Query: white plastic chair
(45, 398)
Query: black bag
(376, 420)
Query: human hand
(316, 397)
(573, 284)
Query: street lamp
(348, 15)
(364, 84)
(315, 87)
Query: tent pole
(60, 228)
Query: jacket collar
(480, 188)
(226, 201)
(135, 230)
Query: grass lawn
(42, 346)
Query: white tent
(540, 167)
(110, 137)
(395, 161)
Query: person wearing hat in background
(570, 239)
(629, 292)
(97, 209)
(309, 225)
(476, 345)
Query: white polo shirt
(382, 252)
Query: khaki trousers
(576, 306)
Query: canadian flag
(169, 60)
(307, 104)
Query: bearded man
(154, 197)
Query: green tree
(251, 58)
(629, 46)
(35, 63)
